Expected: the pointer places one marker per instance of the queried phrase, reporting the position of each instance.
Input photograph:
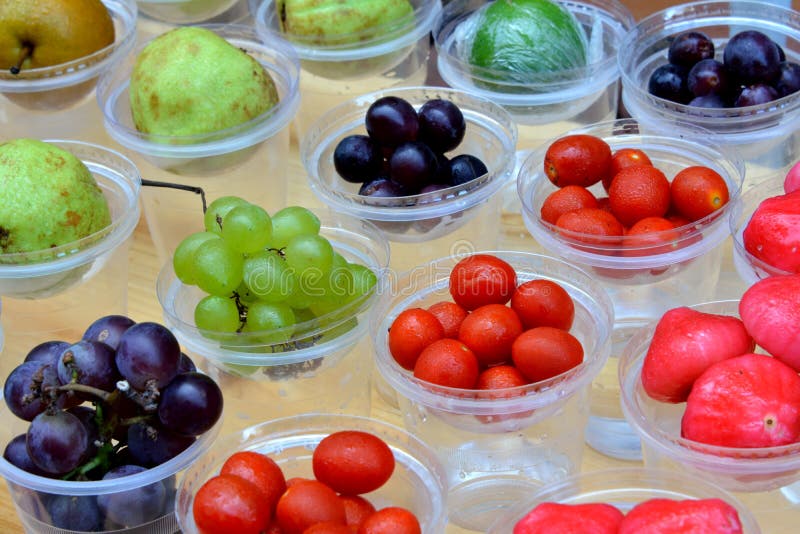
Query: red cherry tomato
(482, 279)
(578, 159)
(625, 157)
(356, 509)
(352, 462)
(328, 528)
(450, 315)
(448, 362)
(411, 331)
(544, 352)
(259, 469)
(489, 332)
(391, 520)
(228, 503)
(306, 503)
(543, 302)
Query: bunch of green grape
(265, 275)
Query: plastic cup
(645, 282)
(764, 136)
(495, 450)
(56, 102)
(338, 67)
(625, 488)
(246, 160)
(193, 11)
(750, 268)
(417, 483)
(766, 479)
(423, 227)
(55, 293)
(325, 366)
(34, 495)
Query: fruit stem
(97, 392)
(170, 185)
(24, 54)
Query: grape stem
(170, 185)
(105, 396)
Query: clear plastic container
(417, 483)
(750, 268)
(495, 450)
(325, 366)
(422, 227)
(542, 105)
(33, 495)
(56, 102)
(648, 281)
(338, 67)
(246, 160)
(55, 293)
(766, 479)
(624, 488)
(193, 11)
(765, 136)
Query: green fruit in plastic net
(520, 38)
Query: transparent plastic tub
(338, 67)
(645, 282)
(426, 226)
(55, 293)
(750, 268)
(765, 136)
(56, 101)
(624, 488)
(542, 105)
(193, 11)
(325, 366)
(495, 450)
(246, 160)
(417, 483)
(766, 479)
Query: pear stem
(24, 54)
(170, 185)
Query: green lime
(523, 37)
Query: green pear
(42, 33)
(191, 81)
(50, 197)
(339, 21)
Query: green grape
(244, 293)
(338, 330)
(183, 258)
(303, 315)
(300, 297)
(293, 221)
(309, 255)
(247, 228)
(217, 314)
(268, 277)
(273, 322)
(215, 212)
(217, 267)
(363, 279)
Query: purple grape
(150, 445)
(752, 58)
(186, 365)
(708, 76)
(49, 351)
(16, 453)
(357, 158)
(441, 125)
(789, 79)
(57, 442)
(390, 121)
(108, 329)
(75, 513)
(90, 363)
(690, 47)
(755, 95)
(413, 165)
(136, 506)
(708, 101)
(148, 353)
(28, 389)
(670, 82)
(88, 416)
(465, 168)
(191, 404)
(382, 187)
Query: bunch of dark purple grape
(753, 70)
(405, 150)
(119, 401)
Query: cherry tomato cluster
(495, 334)
(641, 204)
(251, 494)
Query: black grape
(148, 352)
(76, 513)
(186, 365)
(752, 57)
(382, 187)
(357, 158)
(23, 389)
(136, 506)
(708, 101)
(441, 125)
(413, 165)
(58, 442)
(49, 351)
(16, 453)
(690, 47)
(670, 82)
(190, 404)
(391, 120)
(755, 95)
(789, 79)
(465, 168)
(91, 363)
(150, 445)
(708, 76)
(108, 329)
(88, 416)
